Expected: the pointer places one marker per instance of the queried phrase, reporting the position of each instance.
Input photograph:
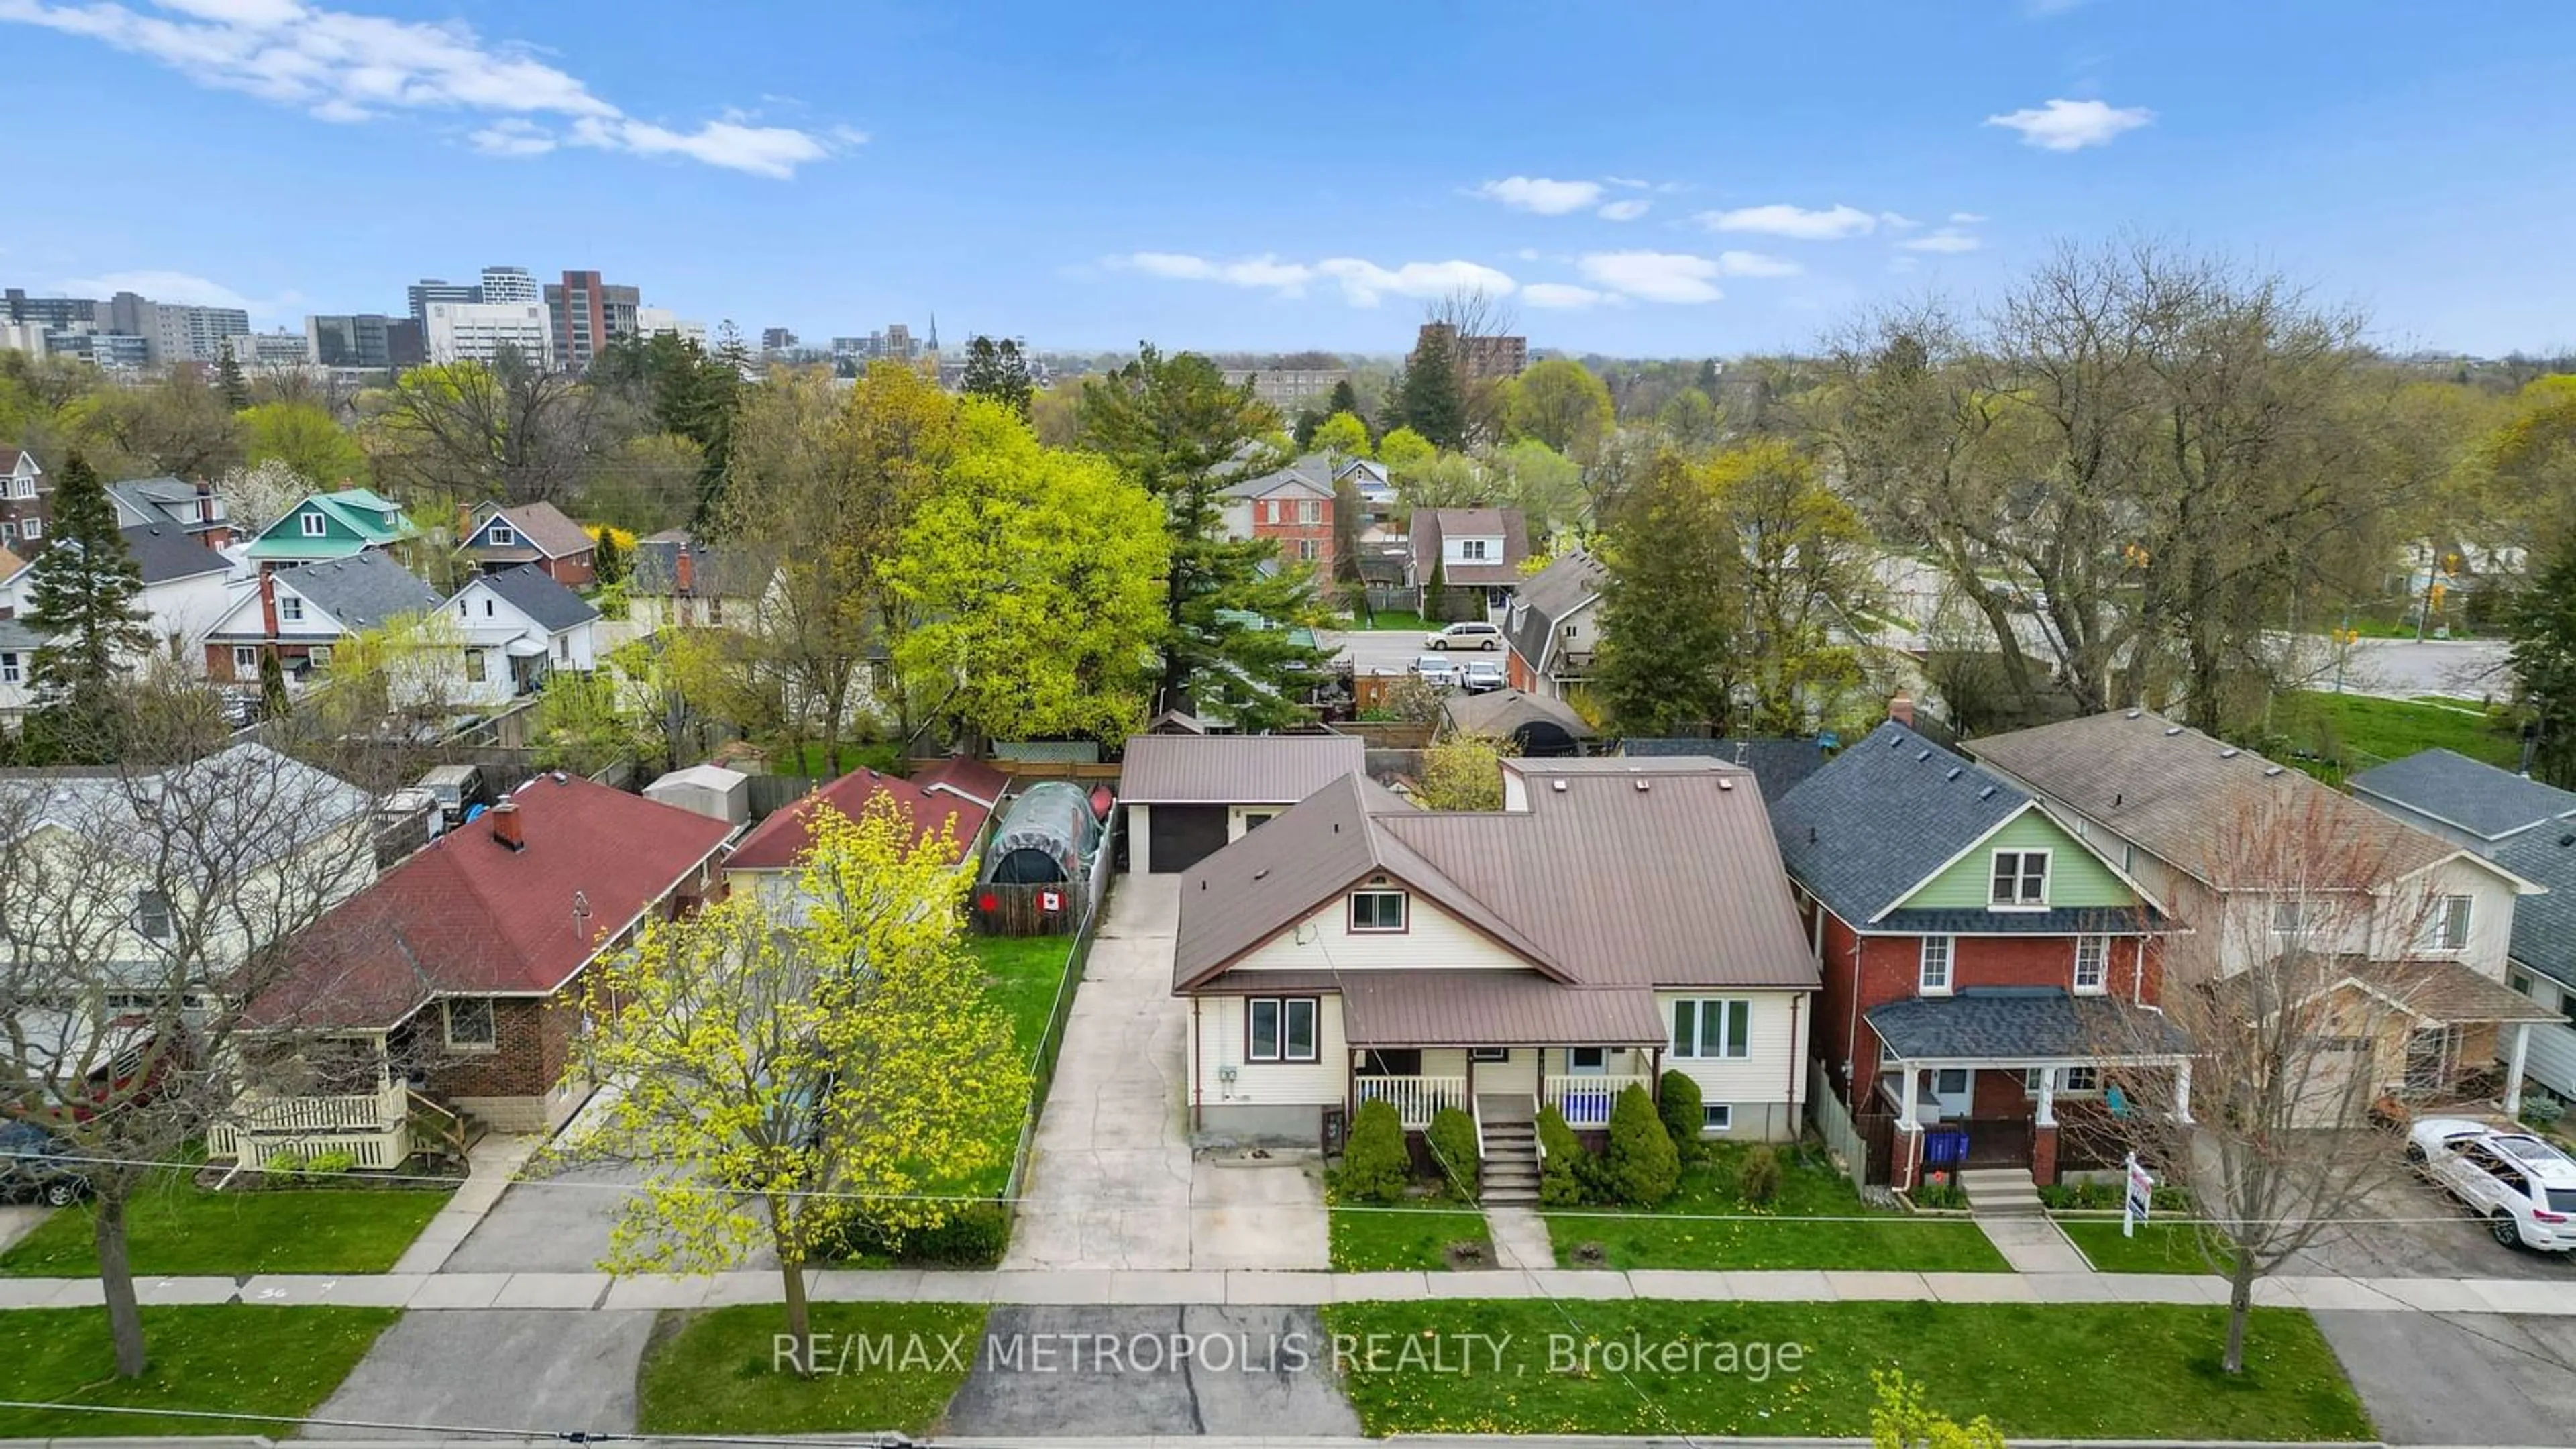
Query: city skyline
(1663, 186)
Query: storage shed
(709, 790)
(1047, 837)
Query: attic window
(500, 536)
(1377, 911)
(315, 525)
(2020, 880)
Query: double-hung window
(1279, 1029)
(1714, 1028)
(2020, 880)
(2447, 929)
(1932, 975)
(1377, 910)
(290, 609)
(314, 525)
(2092, 963)
(501, 536)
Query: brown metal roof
(1235, 769)
(2174, 790)
(1491, 1008)
(1430, 524)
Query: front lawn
(885, 1367)
(2132, 1371)
(2158, 1247)
(2352, 732)
(175, 1228)
(1815, 1221)
(1407, 1238)
(1022, 973)
(227, 1358)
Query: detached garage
(1188, 795)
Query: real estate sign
(2140, 1196)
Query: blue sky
(1643, 178)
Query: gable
(2076, 876)
(1434, 939)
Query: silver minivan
(1466, 635)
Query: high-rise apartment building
(427, 290)
(508, 284)
(181, 332)
(481, 331)
(50, 312)
(1479, 358)
(586, 315)
(777, 339)
(357, 339)
(654, 321)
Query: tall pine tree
(1230, 644)
(1345, 399)
(997, 370)
(229, 380)
(1434, 401)
(82, 597)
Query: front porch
(333, 1095)
(1505, 1082)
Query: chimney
(505, 825)
(1901, 710)
(684, 571)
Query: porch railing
(1584, 1101)
(349, 1112)
(1415, 1098)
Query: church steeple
(934, 332)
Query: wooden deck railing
(1415, 1098)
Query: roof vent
(1955, 772)
(1986, 793)
(1261, 874)
(2271, 770)
(1559, 784)
(2566, 840)
(1919, 759)
(1642, 783)
(1725, 784)
(2231, 752)
(2172, 730)
(1811, 835)
(2133, 714)
(1896, 739)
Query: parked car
(1436, 670)
(33, 1167)
(457, 789)
(2523, 1186)
(1466, 635)
(1482, 676)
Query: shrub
(972, 1237)
(338, 1162)
(284, 1167)
(1939, 1195)
(1678, 1100)
(1562, 1178)
(2541, 1111)
(1375, 1167)
(1641, 1168)
(1757, 1177)
(1453, 1141)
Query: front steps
(2000, 1191)
(1508, 1175)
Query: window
(1310, 510)
(2128, 860)
(11, 672)
(2021, 880)
(2092, 962)
(245, 659)
(152, 914)
(1587, 1059)
(2069, 1080)
(563, 648)
(1719, 1028)
(470, 1025)
(2523, 984)
(8, 531)
(500, 536)
(2448, 929)
(34, 528)
(1471, 550)
(1377, 910)
(1716, 1117)
(290, 609)
(487, 608)
(318, 656)
(1489, 1054)
(1310, 550)
(1270, 510)
(1279, 1029)
(1254, 819)
(1933, 976)
(2290, 918)
(474, 668)
(314, 525)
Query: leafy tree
(1434, 400)
(579, 726)
(1670, 608)
(511, 430)
(1344, 399)
(1375, 1168)
(258, 496)
(1545, 485)
(1342, 435)
(83, 597)
(1689, 420)
(1903, 1419)
(785, 1078)
(1464, 772)
(229, 381)
(177, 426)
(1403, 448)
(1641, 1168)
(1036, 577)
(1229, 644)
(689, 393)
(1806, 568)
(2541, 622)
(996, 370)
(1560, 403)
(304, 437)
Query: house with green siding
(332, 526)
(1986, 972)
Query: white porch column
(2182, 1091)
(2513, 1068)
(2047, 1098)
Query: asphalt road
(2400, 668)
(1390, 651)
(1242, 1376)
(2461, 1378)
(539, 1369)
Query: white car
(1466, 634)
(2522, 1185)
(1482, 676)
(1437, 669)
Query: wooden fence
(1834, 1123)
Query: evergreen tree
(998, 371)
(1708, 376)
(1434, 402)
(2542, 624)
(82, 599)
(1670, 653)
(273, 700)
(607, 558)
(229, 380)
(1345, 399)
(1230, 644)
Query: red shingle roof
(965, 775)
(469, 916)
(783, 837)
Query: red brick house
(1982, 964)
(1292, 508)
(451, 985)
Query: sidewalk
(582, 1291)
(490, 1168)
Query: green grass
(1022, 973)
(718, 1371)
(1405, 1239)
(2158, 1247)
(1388, 619)
(228, 1358)
(1707, 1224)
(2355, 731)
(815, 760)
(174, 1228)
(2146, 1371)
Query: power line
(887, 1440)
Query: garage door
(1183, 835)
(2336, 1085)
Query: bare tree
(510, 430)
(2297, 1021)
(147, 904)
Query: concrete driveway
(536, 1369)
(1111, 1181)
(17, 1220)
(554, 1224)
(1248, 1373)
(2427, 1234)
(2460, 1379)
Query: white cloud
(1654, 276)
(1756, 264)
(1565, 296)
(1796, 222)
(1947, 239)
(2064, 125)
(1527, 254)
(1539, 194)
(1363, 282)
(160, 286)
(1625, 210)
(1966, 218)
(1897, 221)
(347, 68)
